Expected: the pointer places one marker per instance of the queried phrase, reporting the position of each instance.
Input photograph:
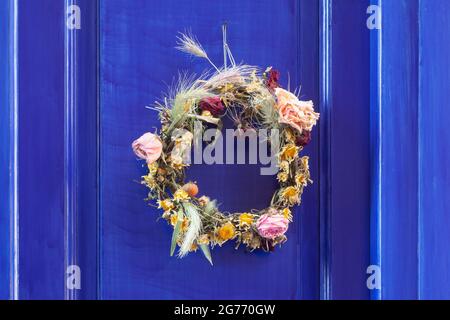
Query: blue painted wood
(81, 153)
(325, 11)
(434, 150)
(346, 99)
(375, 148)
(41, 151)
(6, 141)
(398, 75)
(399, 146)
(136, 58)
(414, 149)
(308, 215)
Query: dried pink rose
(272, 226)
(148, 147)
(298, 114)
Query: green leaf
(176, 231)
(206, 252)
(210, 207)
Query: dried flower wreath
(252, 101)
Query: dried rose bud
(304, 138)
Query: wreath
(254, 101)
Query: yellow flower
(153, 168)
(179, 166)
(187, 105)
(245, 219)
(203, 239)
(226, 88)
(290, 137)
(149, 181)
(185, 224)
(287, 213)
(290, 194)
(227, 231)
(305, 162)
(166, 204)
(194, 247)
(166, 215)
(289, 152)
(180, 195)
(206, 113)
(300, 180)
(173, 219)
(254, 86)
(177, 162)
(284, 166)
(282, 176)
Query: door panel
(40, 151)
(137, 58)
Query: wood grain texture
(41, 149)
(399, 158)
(6, 108)
(414, 150)
(137, 57)
(434, 150)
(383, 127)
(349, 155)
(375, 149)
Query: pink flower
(272, 226)
(298, 114)
(148, 147)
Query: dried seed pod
(191, 189)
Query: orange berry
(191, 189)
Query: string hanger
(227, 55)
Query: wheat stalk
(187, 43)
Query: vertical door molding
(325, 147)
(375, 152)
(80, 149)
(71, 132)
